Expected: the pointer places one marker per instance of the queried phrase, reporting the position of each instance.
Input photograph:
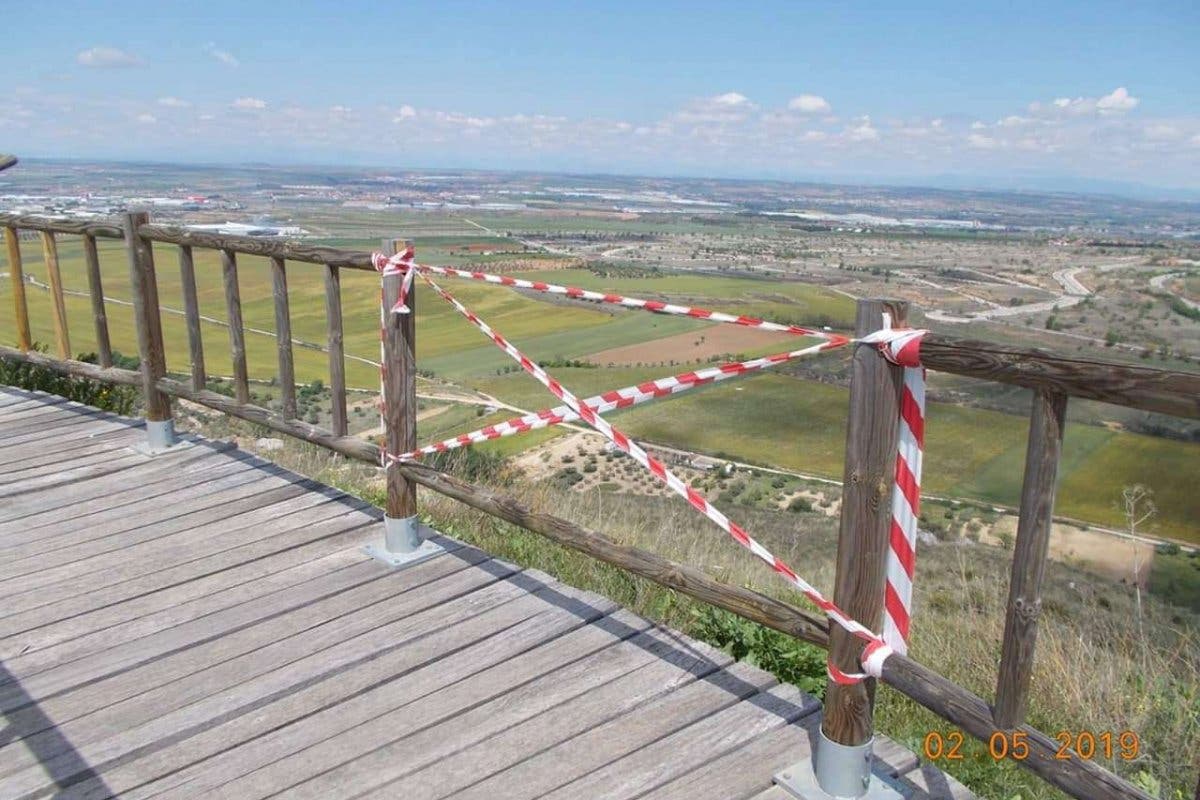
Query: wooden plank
(20, 309)
(319, 547)
(36, 508)
(147, 318)
(389, 681)
(283, 338)
(62, 337)
(91, 260)
(210, 670)
(72, 474)
(747, 770)
(191, 311)
(686, 749)
(81, 666)
(170, 540)
(237, 335)
(865, 520)
(399, 377)
(1046, 425)
(337, 356)
(653, 675)
(927, 782)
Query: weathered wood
(259, 246)
(283, 337)
(1076, 776)
(865, 521)
(103, 230)
(1029, 557)
(191, 310)
(17, 279)
(146, 316)
(399, 378)
(1163, 391)
(62, 336)
(96, 290)
(337, 355)
(687, 580)
(237, 334)
(82, 369)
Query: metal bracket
(405, 543)
(160, 438)
(836, 772)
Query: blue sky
(1096, 90)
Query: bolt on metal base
(160, 438)
(405, 543)
(835, 772)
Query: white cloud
(107, 58)
(981, 142)
(731, 100)
(977, 125)
(248, 104)
(147, 119)
(224, 56)
(404, 113)
(809, 104)
(1117, 102)
(173, 102)
(863, 132)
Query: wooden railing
(870, 451)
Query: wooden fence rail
(868, 479)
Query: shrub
(107, 397)
(799, 504)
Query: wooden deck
(204, 623)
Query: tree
(1139, 508)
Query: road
(1160, 282)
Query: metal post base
(836, 772)
(160, 438)
(405, 542)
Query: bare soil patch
(684, 348)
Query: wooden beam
(1029, 557)
(17, 275)
(96, 291)
(62, 336)
(865, 521)
(237, 334)
(104, 230)
(191, 311)
(80, 369)
(283, 336)
(337, 354)
(260, 246)
(1162, 391)
(147, 317)
(399, 376)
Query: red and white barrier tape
(619, 398)
(404, 262)
(902, 347)
(876, 652)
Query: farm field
(770, 419)
(776, 420)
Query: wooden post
(283, 339)
(146, 317)
(1029, 557)
(237, 335)
(191, 310)
(337, 355)
(17, 275)
(62, 336)
(399, 375)
(96, 291)
(875, 386)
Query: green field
(770, 419)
